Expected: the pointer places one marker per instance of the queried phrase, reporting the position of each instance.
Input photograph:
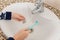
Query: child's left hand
(18, 17)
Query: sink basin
(47, 29)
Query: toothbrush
(32, 26)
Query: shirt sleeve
(8, 16)
(0, 15)
(10, 38)
(5, 16)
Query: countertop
(4, 3)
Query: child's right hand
(21, 35)
(17, 17)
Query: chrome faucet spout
(38, 6)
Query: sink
(47, 29)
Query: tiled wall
(4, 3)
(54, 3)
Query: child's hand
(17, 17)
(21, 35)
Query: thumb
(29, 31)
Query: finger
(29, 31)
(22, 17)
(17, 19)
(24, 29)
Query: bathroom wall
(54, 3)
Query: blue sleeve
(6, 16)
(10, 38)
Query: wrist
(17, 37)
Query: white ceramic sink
(47, 29)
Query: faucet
(38, 6)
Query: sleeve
(10, 38)
(5, 16)
(8, 16)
